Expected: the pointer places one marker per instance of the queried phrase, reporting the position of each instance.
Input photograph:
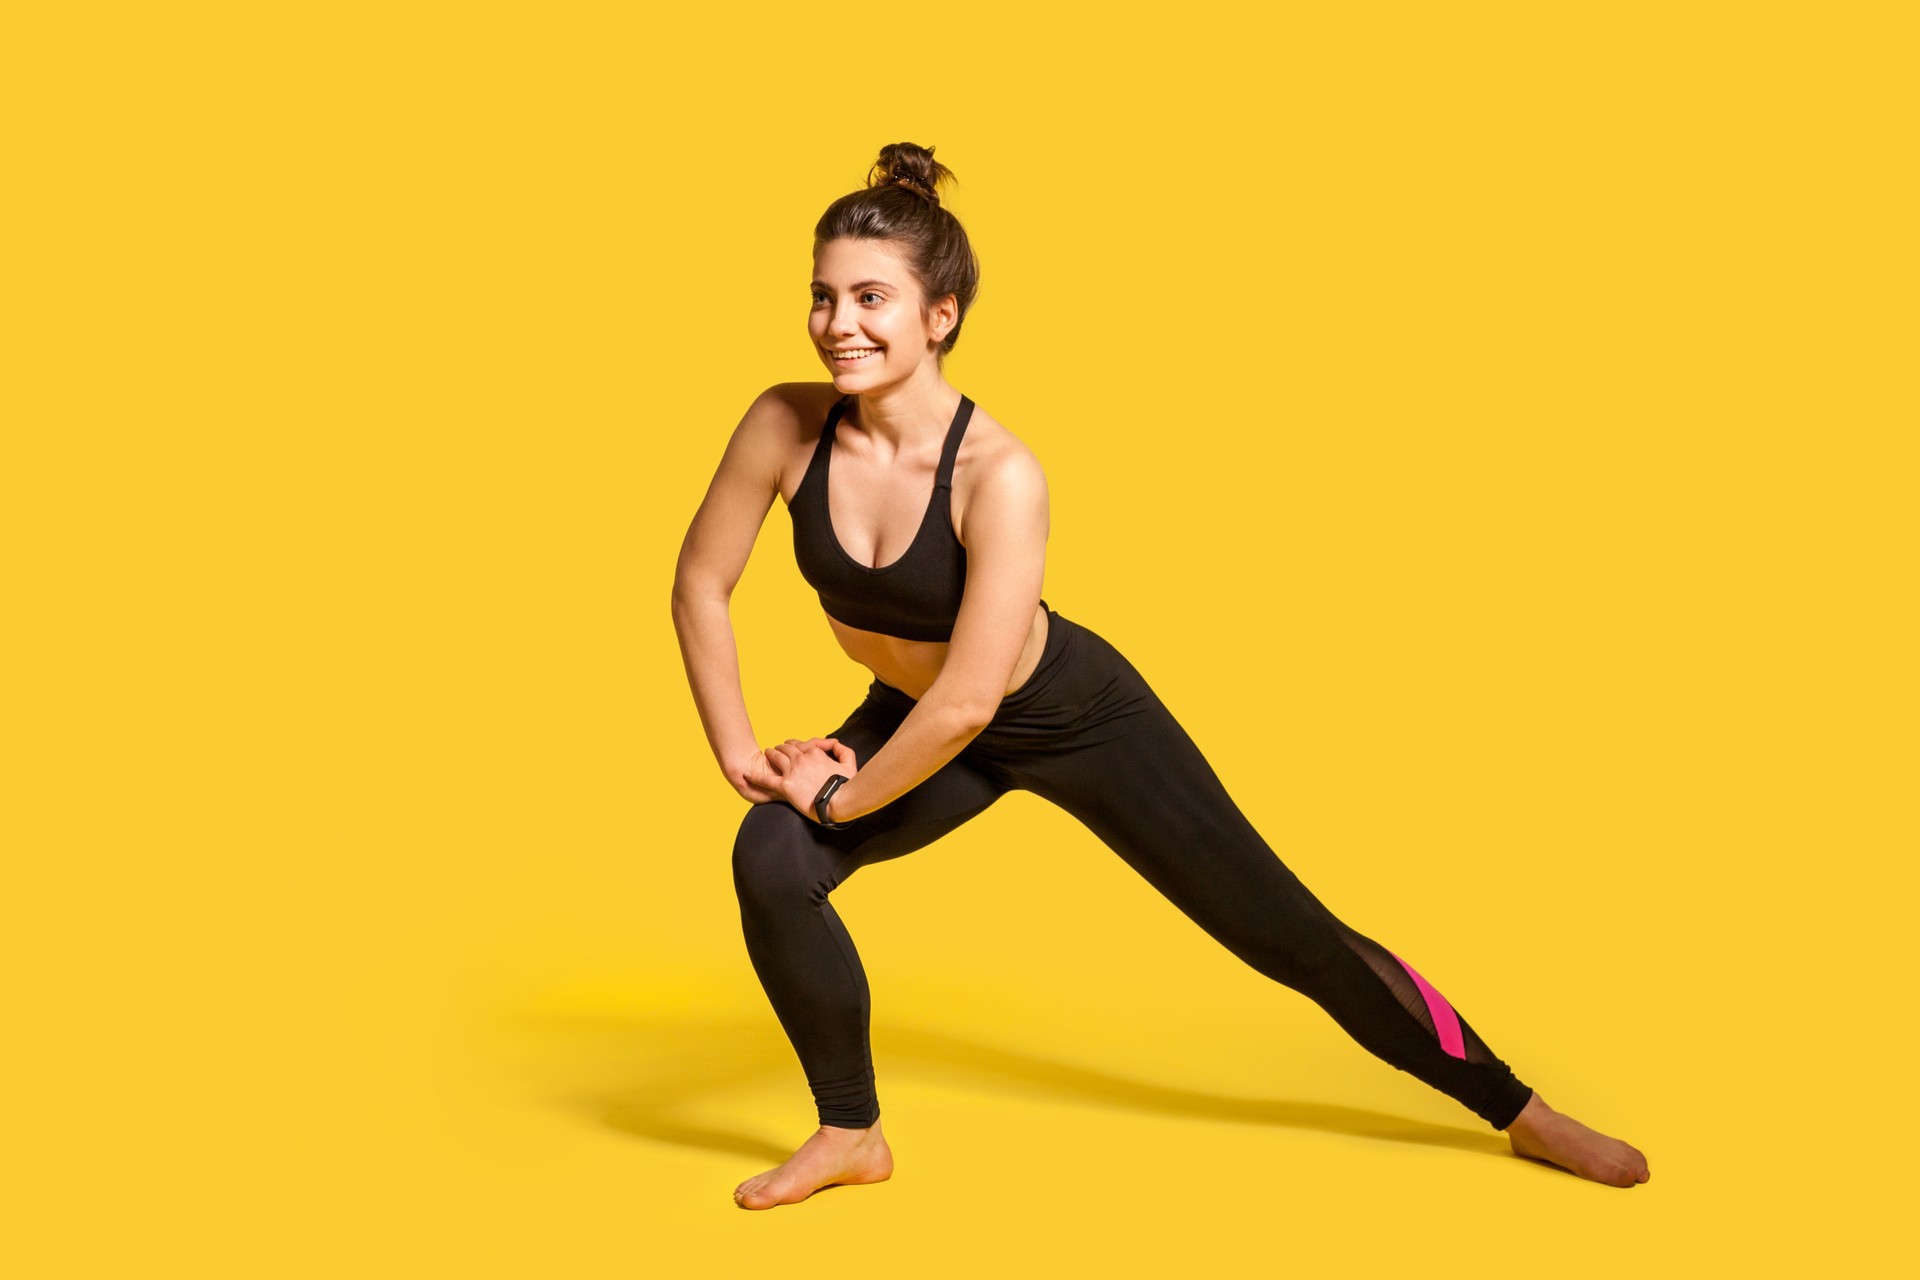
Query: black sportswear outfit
(1087, 733)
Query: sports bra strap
(833, 415)
(943, 475)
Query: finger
(844, 755)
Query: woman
(922, 523)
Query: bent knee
(777, 856)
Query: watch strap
(827, 789)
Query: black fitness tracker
(827, 789)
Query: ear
(943, 316)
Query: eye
(819, 297)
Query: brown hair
(900, 203)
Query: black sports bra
(917, 597)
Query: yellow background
(1488, 428)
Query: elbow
(686, 612)
(970, 714)
(965, 707)
(689, 593)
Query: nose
(845, 321)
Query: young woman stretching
(922, 523)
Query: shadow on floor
(665, 1065)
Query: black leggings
(1087, 733)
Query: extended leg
(1135, 778)
(1141, 785)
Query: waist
(1053, 652)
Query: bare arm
(712, 558)
(1006, 562)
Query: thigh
(1136, 779)
(1149, 793)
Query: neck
(907, 413)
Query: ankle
(1535, 1113)
(842, 1133)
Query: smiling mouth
(854, 356)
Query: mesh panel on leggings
(1425, 1006)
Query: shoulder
(995, 458)
(779, 432)
(788, 410)
(998, 477)
(781, 422)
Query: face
(865, 300)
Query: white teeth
(851, 357)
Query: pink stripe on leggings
(1445, 1021)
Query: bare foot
(1541, 1133)
(831, 1156)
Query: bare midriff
(912, 665)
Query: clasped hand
(795, 771)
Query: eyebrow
(822, 284)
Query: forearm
(932, 734)
(712, 661)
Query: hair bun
(910, 166)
